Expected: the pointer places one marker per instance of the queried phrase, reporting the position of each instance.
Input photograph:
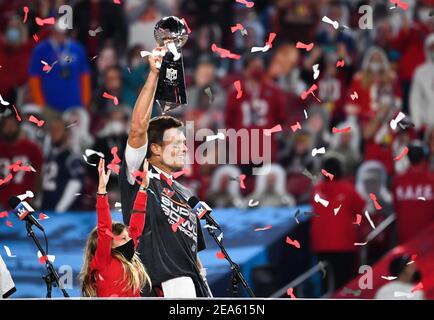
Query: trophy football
(171, 33)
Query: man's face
(174, 149)
(10, 130)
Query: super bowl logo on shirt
(171, 74)
(175, 211)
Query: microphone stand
(52, 278)
(237, 276)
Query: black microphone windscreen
(14, 202)
(193, 201)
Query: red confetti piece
(340, 63)
(242, 178)
(169, 192)
(43, 216)
(100, 277)
(177, 174)
(4, 214)
(358, 219)
(271, 38)
(43, 259)
(168, 180)
(413, 257)
(343, 130)
(7, 179)
(236, 27)
(248, 4)
(310, 91)
(224, 53)
(109, 96)
(117, 1)
(35, 37)
(176, 225)
(114, 164)
(276, 128)
(417, 287)
(9, 224)
(327, 174)
(402, 154)
(186, 25)
(41, 22)
(290, 292)
(294, 243)
(403, 5)
(296, 127)
(237, 85)
(264, 228)
(35, 120)
(16, 113)
(15, 166)
(220, 255)
(301, 45)
(26, 12)
(354, 96)
(374, 199)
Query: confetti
(26, 12)
(177, 174)
(177, 224)
(389, 278)
(94, 57)
(336, 210)
(35, 37)
(358, 219)
(402, 154)
(290, 292)
(323, 269)
(43, 259)
(209, 94)
(224, 53)
(398, 3)
(169, 192)
(355, 293)
(93, 33)
(43, 216)
(219, 135)
(186, 25)
(305, 113)
(369, 219)
(236, 27)
(117, 1)
(360, 243)
(253, 203)
(8, 252)
(343, 130)
(301, 45)
(421, 198)
(413, 258)
(296, 127)
(118, 205)
(237, 85)
(374, 199)
(297, 213)
(354, 96)
(90, 152)
(294, 243)
(271, 38)
(3, 102)
(220, 255)
(41, 22)
(318, 199)
(9, 224)
(276, 128)
(335, 24)
(316, 71)
(309, 175)
(316, 151)
(268, 227)
(310, 91)
(417, 287)
(327, 174)
(398, 119)
(340, 63)
(109, 96)
(7, 179)
(248, 4)
(258, 49)
(242, 178)
(172, 48)
(16, 113)
(39, 123)
(4, 214)
(47, 67)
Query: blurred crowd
(61, 79)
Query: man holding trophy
(172, 235)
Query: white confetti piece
(50, 257)
(389, 278)
(253, 203)
(336, 210)
(315, 68)
(118, 205)
(360, 243)
(258, 49)
(318, 199)
(316, 151)
(3, 102)
(335, 24)
(369, 219)
(219, 135)
(8, 252)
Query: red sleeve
(137, 222)
(104, 243)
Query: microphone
(23, 211)
(203, 211)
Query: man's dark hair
(157, 127)
(398, 264)
(416, 152)
(334, 166)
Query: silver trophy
(171, 32)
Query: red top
(330, 232)
(413, 214)
(109, 273)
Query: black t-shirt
(166, 254)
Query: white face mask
(116, 128)
(375, 67)
(423, 14)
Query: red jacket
(109, 273)
(413, 214)
(330, 232)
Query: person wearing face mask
(16, 152)
(407, 276)
(63, 172)
(422, 89)
(112, 267)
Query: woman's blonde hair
(134, 271)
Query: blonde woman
(111, 266)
